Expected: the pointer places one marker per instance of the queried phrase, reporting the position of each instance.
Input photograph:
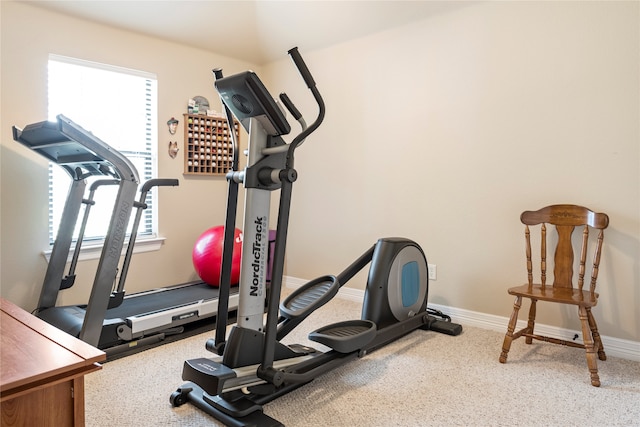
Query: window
(118, 106)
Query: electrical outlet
(432, 271)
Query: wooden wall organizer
(208, 147)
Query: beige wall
(445, 130)
(442, 131)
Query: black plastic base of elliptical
(190, 392)
(445, 327)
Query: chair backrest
(565, 218)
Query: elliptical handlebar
(218, 343)
(302, 67)
(311, 84)
(289, 105)
(217, 73)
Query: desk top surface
(34, 352)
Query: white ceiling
(255, 31)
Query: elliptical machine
(253, 367)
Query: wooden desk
(41, 371)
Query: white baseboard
(616, 347)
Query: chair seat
(556, 294)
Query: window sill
(88, 252)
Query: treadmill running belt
(164, 299)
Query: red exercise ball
(207, 255)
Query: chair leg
(532, 321)
(596, 336)
(592, 360)
(506, 344)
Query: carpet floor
(422, 379)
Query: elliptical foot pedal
(346, 337)
(310, 297)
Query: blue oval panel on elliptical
(410, 283)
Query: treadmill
(110, 320)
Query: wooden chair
(565, 218)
